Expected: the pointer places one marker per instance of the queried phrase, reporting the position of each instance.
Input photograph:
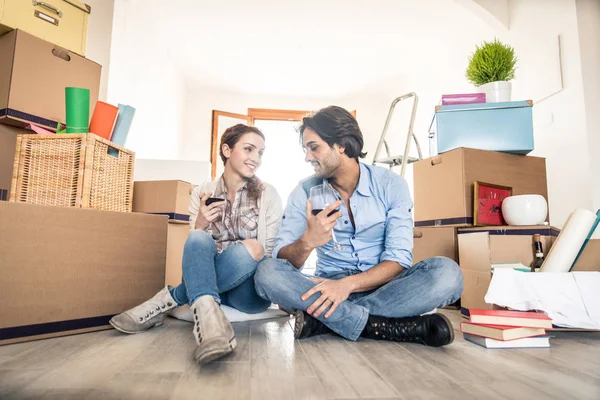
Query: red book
(510, 318)
(499, 332)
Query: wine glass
(320, 197)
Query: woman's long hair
(230, 137)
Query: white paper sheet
(571, 299)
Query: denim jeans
(228, 276)
(432, 283)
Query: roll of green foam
(77, 102)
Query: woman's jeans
(228, 277)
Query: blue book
(122, 125)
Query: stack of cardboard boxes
(62, 270)
(478, 144)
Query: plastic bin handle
(48, 6)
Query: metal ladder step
(395, 161)
(403, 159)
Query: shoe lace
(405, 331)
(149, 309)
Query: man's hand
(208, 214)
(333, 292)
(320, 226)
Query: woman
(227, 241)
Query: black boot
(431, 330)
(307, 326)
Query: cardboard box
(178, 234)
(502, 126)
(69, 270)
(444, 184)
(33, 77)
(171, 198)
(8, 144)
(479, 248)
(433, 242)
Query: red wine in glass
(315, 212)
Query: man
(370, 287)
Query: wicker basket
(72, 170)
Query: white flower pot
(525, 209)
(496, 91)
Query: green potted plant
(491, 68)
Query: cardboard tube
(564, 251)
(78, 109)
(103, 120)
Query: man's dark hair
(333, 124)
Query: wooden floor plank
(138, 385)
(342, 372)
(94, 365)
(273, 351)
(269, 364)
(215, 381)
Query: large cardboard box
(8, 143)
(444, 183)
(434, 242)
(33, 77)
(178, 234)
(69, 270)
(479, 248)
(171, 198)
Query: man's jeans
(228, 277)
(432, 283)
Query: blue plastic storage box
(506, 127)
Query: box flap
(590, 258)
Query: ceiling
(317, 48)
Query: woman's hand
(208, 214)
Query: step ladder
(403, 159)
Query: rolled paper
(569, 242)
(78, 109)
(103, 119)
(123, 124)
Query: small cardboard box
(33, 77)
(177, 236)
(171, 198)
(479, 248)
(444, 184)
(8, 144)
(69, 270)
(434, 242)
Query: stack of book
(500, 329)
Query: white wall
(559, 121)
(588, 18)
(142, 75)
(99, 38)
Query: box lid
(529, 230)
(80, 5)
(483, 106)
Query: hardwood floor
(269, 364)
